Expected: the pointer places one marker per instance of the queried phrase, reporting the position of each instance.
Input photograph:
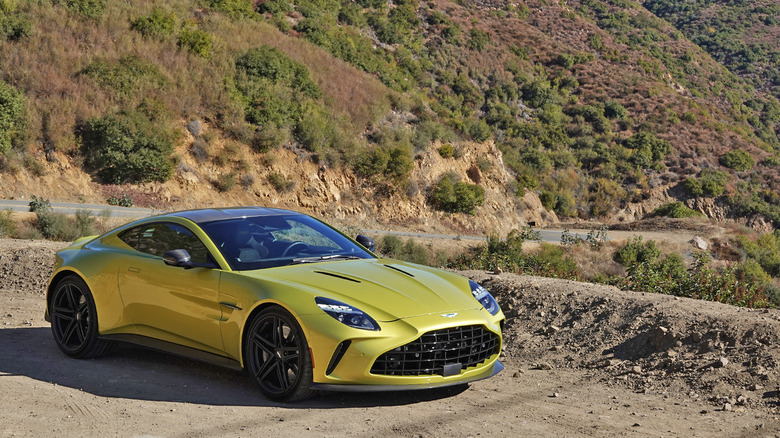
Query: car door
(167, 302)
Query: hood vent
(332, 274)
(399, 270)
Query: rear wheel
(276, 356)
(74, 321)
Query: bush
(91, 9)
(39, 204)
(196, 41)
(13, 117)
(281, 183)
(12, 25)
(126, 76)
(234, 9)
(385, 163)
(123, 200)
(737, 160)
(8, 227)
(270, 63)
(127, 148)
(636, 251)
(478, 39)
(614, 110)
(447, 150)
(710, 183)
(275, 7)
(675, 210)
(457, 196)
(157, 24)
(410, 251)
(225, 182)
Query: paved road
(553, 236)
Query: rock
(699, 243)
(543, 366)
(195, 127)
(696, 337)
(552, 329)
(727, 407)
(636, 369)
(755, 387)
(741, 400)
(661, 338)
(721, 362)
(555, 394)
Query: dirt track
(581, 360)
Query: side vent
(331, 274)
(338, 354)
(399, 270)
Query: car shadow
(143, 374)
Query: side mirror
(367, 242)
(178, 257)
(181, 258)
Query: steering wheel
(294, 248)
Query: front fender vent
(441, 352)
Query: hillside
(470, 116)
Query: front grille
(434, 351)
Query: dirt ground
(581, 360)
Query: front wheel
(74, 321)
(276, 356)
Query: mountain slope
(598, 108)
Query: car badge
(449, 315)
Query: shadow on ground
(137, 373)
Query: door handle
(133, 269)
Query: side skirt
(176, 349)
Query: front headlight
(483, 296)
(347, 314)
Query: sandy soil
(581, 360)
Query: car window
(270, 241)
(159, 238)
(299, 232)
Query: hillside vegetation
(594, 104)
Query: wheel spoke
(68, 332)
(263, 344)
(281, 374)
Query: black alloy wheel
(74, 320)
(277, 356)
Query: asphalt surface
(552, 236)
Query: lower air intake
(435, 351)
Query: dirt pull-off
(581, 359)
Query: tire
(74, 320)
(277, 357)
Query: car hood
(386, 289)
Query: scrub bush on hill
(737, 160)
(127, 147)
(457, 196)
(13, 25)
(158, 24)
(13, 117)
(91, 9)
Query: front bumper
(495, 369)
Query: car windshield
(269, 241)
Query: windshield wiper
(324, 258)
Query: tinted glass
(269, 241)
(159, 238)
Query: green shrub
(91, 9)
(457, 196)
(225, 182)
(196, 41)
(234, 9)
(8, 226)
(648, 150)
(275, 7)
(447, 150)
(158, 24)
(614, 110)
(13, 25)
(478, 39)
(479, 130)
(281, 183)
(409, 250)
(636, 251)
(127, 75)
(385, 163)
(123, 200)
(13, 117)
(84, 223)
(675, 210)
(127, 147)
(710, 183)
(39, 204)
(737, 160)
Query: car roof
(216, 214)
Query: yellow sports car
(297, 304)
